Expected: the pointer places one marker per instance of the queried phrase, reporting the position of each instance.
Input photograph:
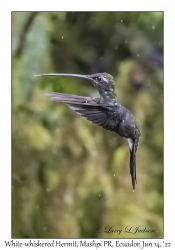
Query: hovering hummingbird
(105, 111)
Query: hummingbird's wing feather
(61, 97)
(97, 114)
(89, 108)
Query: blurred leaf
(37, 136)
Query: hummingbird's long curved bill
(62, 74)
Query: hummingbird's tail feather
(133, 166)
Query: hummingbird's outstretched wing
(89, 108)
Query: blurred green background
(69, 176)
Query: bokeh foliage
(71, 177)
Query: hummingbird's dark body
(104, 111)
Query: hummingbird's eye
(99, 78)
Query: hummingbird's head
(103, 82)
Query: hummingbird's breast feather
(128, 127)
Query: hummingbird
(104, 111)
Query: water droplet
(44, 228)
(99, 195)
(114, 175)
(138, 55)
(68, 198)
(121, 21)
(153, 27)
(159, 43)
(62, 37)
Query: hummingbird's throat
(108, 96)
